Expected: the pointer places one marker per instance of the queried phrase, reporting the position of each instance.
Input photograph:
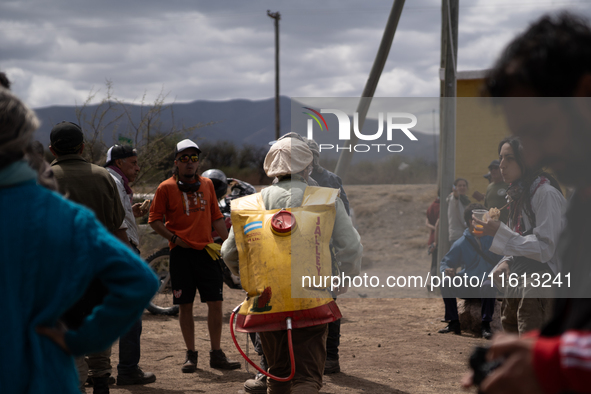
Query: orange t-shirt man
(188, 215)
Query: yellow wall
(479, 129)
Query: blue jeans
(486, 294)
(129, 349)
(129, 345)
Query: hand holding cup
(482, 223)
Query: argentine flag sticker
(252, 226)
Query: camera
(481, 367)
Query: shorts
(192, 270)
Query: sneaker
(258, 385)
(453, 326)
(190, 364)
(217, 359)
(332, 366)
(485, 330)
(136, 377)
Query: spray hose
(291, 358)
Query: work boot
(332, 366)
(100, 385)
(190, 364)
(258, 385)
(217, 359)
(453, 326)
(485, 330)
(136, 377)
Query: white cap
(109, 154)
(185, 144)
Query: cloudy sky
(57, 51)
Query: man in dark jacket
(93, 187)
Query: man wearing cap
(290, 160)
(84, 182)
(122, 164)
(93, 187)
(496, 191)
(188, 203)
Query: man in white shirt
(122, 164)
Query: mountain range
(242, 122)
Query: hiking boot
(485, 330)
(258, 385)
(190, 364)
(217, 359)
(100, 385)
(453, 326)
(331, 366)
(136, 377)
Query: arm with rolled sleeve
(549, 207)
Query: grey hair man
(122, 164)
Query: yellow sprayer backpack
(284, 254)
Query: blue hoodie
(462, 254)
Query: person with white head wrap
(290, 160)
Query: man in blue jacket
(473, 255)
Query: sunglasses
(186, 158)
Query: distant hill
(240, 121)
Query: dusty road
(388, 345)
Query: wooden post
(276, 16)
(447, 153)
(372, 83)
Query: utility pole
(276, 16)
(447, 145)
(372, 83)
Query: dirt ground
(388, 345)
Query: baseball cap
(494, 163)
(66, 137)
(119, 152)
(185, 144)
